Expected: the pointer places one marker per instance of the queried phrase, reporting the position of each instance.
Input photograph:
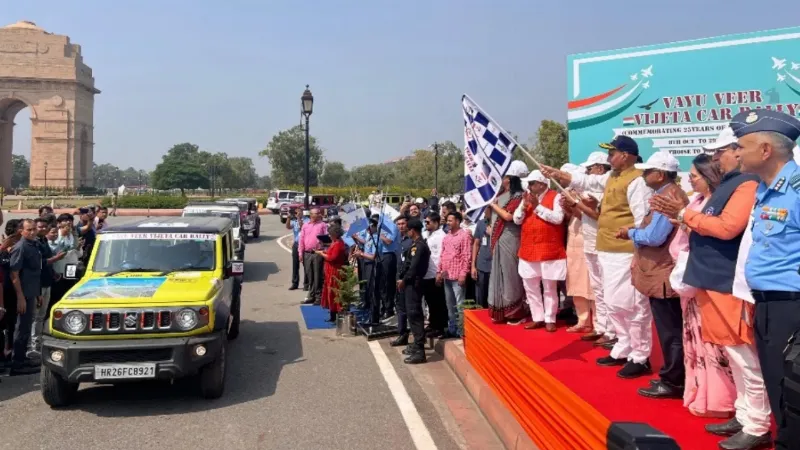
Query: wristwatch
(680, 215)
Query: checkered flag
(488, 151)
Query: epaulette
(794, 182)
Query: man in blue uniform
(766, 139)
(400, 295)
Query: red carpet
(551, 384)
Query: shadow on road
(259, 270)
(256, 360)
(12, 387)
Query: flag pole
(524, 150)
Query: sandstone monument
(46, 73)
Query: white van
(216, 210)
(279, 198)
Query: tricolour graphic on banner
(677, 97)
(488, 151)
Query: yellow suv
(159, 299)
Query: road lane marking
(416, 426)
(282, 245)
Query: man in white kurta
(625, 203)
(542, 253)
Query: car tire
(236, 314)
(283, 219)
(56, 391)
(257, 229)
(212, 376)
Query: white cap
(660, 161)
(596, 158)
(419, 200)
(536, 176)
(306, 212)
(517, 169)
(570, 168)
(725, 138)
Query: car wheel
(257, 229)
(56, 391)
(283, 219)
(212, 376)
(236, 311)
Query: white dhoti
(544, 308)
(752, 406)
(628, 310)
(601, 322)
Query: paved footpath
(288, 388)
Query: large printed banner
(677, 97)
(488, 151)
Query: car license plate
(124, 371)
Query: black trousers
(295, 266)
(387, 274)
(482, 289)
(314, 274)
(777, 319)
(416, 318)
(668, 316)
(402, 313)
(437, 307)
(368, 274)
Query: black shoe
(410, 350)
(744, 441)
(292, 288)
(308, 301)
(416, 358)
(635, 370)
(609, 345)
(659, 389)
(434, 334)
(608, 361)
(728, 428)
(400, 341)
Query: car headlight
(75, 322)
(186, 319)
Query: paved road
(288, 388)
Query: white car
(216, 210)
(279, 198)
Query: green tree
(20, 171)
(372, 175)
(242, 173)
(107, 176)
(334, 174)
(286, 154)
(181, 168)
(551, 144)
(264, 182)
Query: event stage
(561, 397)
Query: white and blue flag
(488, 151)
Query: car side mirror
(234, 268)
(74, 271)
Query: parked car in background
(279, 198)
(203, 209)
(251, 222)
(322, 201)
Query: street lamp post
(436, 167)
(307, 103)
(45, 178)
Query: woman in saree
(335, 257)
(709, 390)
(506, 294)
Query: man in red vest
(542, 254)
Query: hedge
(149, 201)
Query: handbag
(676, 277)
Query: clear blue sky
(387, 75)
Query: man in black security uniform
(413, 270)
(400, 296)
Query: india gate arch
(45, 73)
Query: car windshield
(205, 213)
(155, 252)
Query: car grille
(130, 321)
(124, 356)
